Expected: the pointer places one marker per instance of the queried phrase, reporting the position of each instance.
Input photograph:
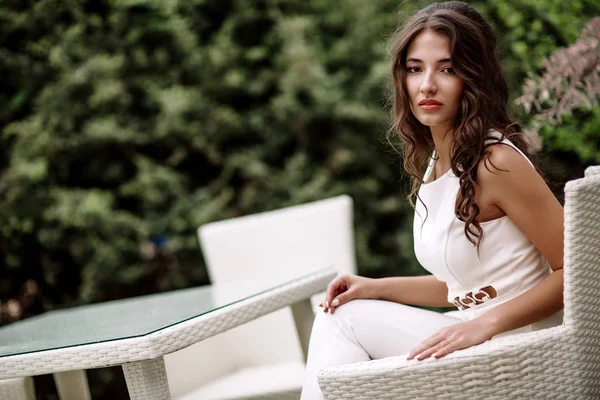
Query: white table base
(147, 380)
(303, 318)
(17, 388)
(72, 385)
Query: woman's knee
(356, 306)
(353, 307)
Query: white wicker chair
(557, 363)
(262, 359)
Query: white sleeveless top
(507, 265)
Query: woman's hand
(344, 288)
(452, 338)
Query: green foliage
(578, 133)
(563, 100)
(127, 120)
(529, 30)
(131, 119)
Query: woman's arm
(520, 192)
(539, 302)
(524, 196)
(415, 290)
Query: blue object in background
(159, 241)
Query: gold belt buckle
(473, 299)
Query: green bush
(125, 122)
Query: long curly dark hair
(483, 104)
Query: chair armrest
(593, 170)
(506, 359)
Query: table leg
(17, 389)
(72, 385)
(147, 380)
(303, 317)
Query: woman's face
(432, 85)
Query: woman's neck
(442, 140)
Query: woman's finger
(342, 299)
(432, 350)
(424, 345)
(335, 287)
(331, 288)
(334, 304)
(445, 350)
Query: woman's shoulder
(504, 166)
(503, 156)
(503, 151)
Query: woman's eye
(411, 70)
(448, 70)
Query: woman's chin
(432, 121)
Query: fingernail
(327, 304)
(434, 355)
(335, 302)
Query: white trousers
(363, 330)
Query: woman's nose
(428, 84)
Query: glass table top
(127, 318)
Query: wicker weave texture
(17, 389)
(582, 276)
(557, 363)
(593, 170)
(165, 341)
(147, 380)
(493, 370)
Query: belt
(475, 298)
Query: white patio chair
(557, 363)
(262, 359)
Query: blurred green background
(126, 124)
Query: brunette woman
(486, 225)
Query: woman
(486, 225)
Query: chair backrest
(582, 283)
(286, 242)
(292, 239)
(582, 253)
(593, 170)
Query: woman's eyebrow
(443, 60)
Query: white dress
(507, 265)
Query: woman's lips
(430, 107)
(430, 104)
